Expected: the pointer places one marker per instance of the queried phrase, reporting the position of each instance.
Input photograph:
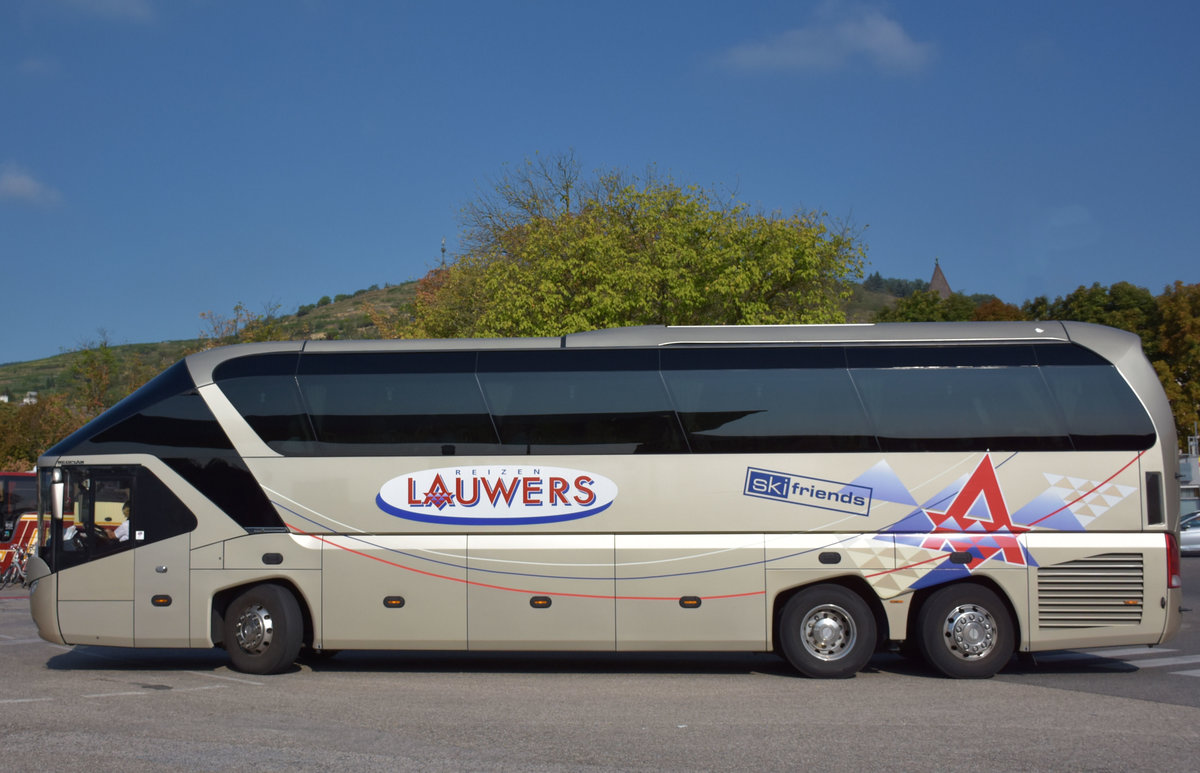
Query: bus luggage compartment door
(540, 592)
(161, 593)
(690, 592)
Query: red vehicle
(18, 513)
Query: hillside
(339, 317)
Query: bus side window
(110, 510)
(155, 512)
(115, 509)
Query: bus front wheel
(827, 632)
(263, 630)
(965, 632)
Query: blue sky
(162, 159)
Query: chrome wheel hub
(255, 629)
(970, 631)
(828, 632)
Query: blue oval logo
(496, 495)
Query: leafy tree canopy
(1122, 305)
(928, 306)
(547, 253)
(1176, 353)
(901, 288)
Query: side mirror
(57, 491)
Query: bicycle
(15, 572)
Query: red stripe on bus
(517, 590)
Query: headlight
(33, 587)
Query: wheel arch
(921, 596)
(853, 583)
(224, 597)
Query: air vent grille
(1092, 592)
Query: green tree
(98, 377)
(93, 374)
(1177, 353)
(996, 309)
(547, 254)
(928, 306)
(28, 431)
(1123, 305)
(244, 326)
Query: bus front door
(95, 572)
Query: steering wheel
(100, 536)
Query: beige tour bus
(973, 490)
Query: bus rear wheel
(965, 632)
(827, 632)
(263, 630)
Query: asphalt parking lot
(100, 709)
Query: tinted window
(969, 356)
(113, 509)
(167, 418)
(18, 494)
(952, 409)
(1101, 411)
(263, 389)
(403, 404)
(768, 400)
(586, 402)
(705, 399)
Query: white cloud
(20, 186)
(838, 36)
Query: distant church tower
(939, 284)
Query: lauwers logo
(497, 495)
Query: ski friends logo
(496, 496)
(813, 492)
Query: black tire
(827, 632)
(965, 632)
(263, 630)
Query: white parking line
(228, 678)
(1058, 657)
(11, 641)
(1195, 672)
(1161, 662)
(25, 700)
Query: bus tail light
(1174, 575)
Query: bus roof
(1110, 343)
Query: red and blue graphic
(972, 516)
(968, 525)
(976, 522)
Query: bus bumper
(43, 606)
(1174, 609)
